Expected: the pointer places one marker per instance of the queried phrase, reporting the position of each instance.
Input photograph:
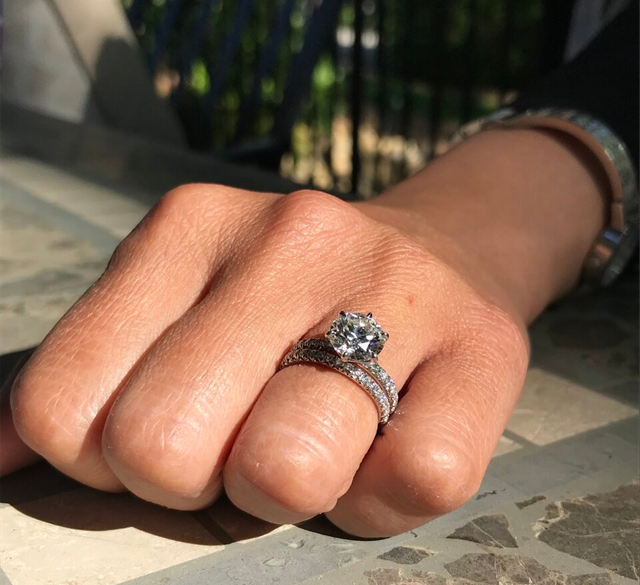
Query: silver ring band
(374, 369)
(311, 351)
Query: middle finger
(172, 426)
(168, 433)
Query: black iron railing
(347, 94)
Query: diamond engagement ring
(351, 347)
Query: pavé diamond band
(351, 347)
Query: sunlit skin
(162, 378)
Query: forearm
(523, 208)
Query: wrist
(516, 209)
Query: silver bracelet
(615, 245)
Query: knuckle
(44, 420)
(306, 216)
(290, 478)
(434, 479)
(310, 201)
(181, 215)
(182, 199)
(161, 453)
(181, 208)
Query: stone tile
(586, 333)
(73, 227)
(466, 569)
(231, 524)
(31, 249)
(92, 538)
(600, 528)
(493, 492)
(552, 408)
(388, 576)
(491, 530)
(44, 271)
(489, 569)
(534, 472)
(119, 224)
(505, 445)
(628, 429)
(406, 555)
(66, 190)
(529, 502)
(600, 451)
(25, 322)
(293, 557)
(53, 280)
(596, 451)
(624, 390)
(143, 168)
(592, 339)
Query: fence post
(356, 95)
(556, 23)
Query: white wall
(39, 68)
(78, 60)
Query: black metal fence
(350, 95)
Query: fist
(163, 378)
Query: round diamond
(356, 337)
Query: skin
(162, 379)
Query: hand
(162, 378)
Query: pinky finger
(14, 454)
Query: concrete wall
(78, 60)
(40, 70)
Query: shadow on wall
(125, 97)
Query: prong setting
(357, 337)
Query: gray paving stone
(286, 559)
(529, 502)
(596, 450)
(592, 340)
(491, 530)
(50, 280)
(626, 429)
(490, 569)
(406, 555)
(477, 568)
(67, 222)
(562, 462)
(493, 493)
(601, 528)
(535, 472)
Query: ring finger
(304, 439)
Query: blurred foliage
(410, 45)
